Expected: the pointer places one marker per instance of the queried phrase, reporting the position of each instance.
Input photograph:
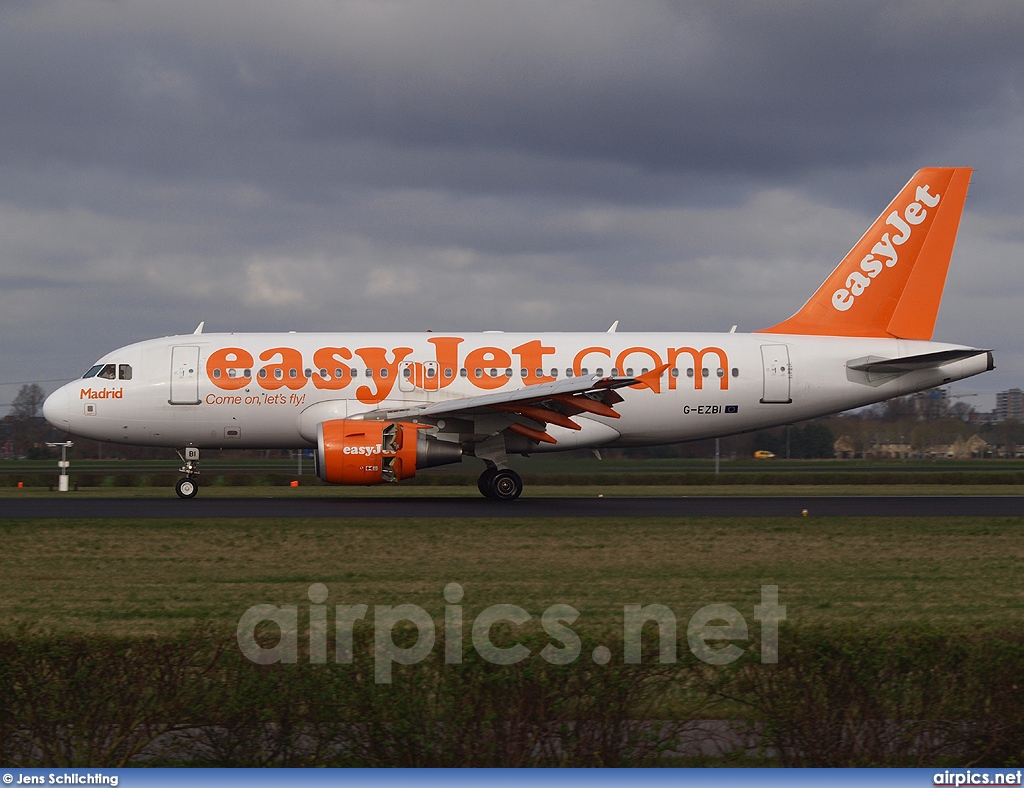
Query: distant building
(889, 451)
(931, 404)
(844, 448)
(974, 447)
(1010, 405)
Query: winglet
(652, 379)
(890, 284)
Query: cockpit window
(124, 371)
(109, 372)
(92, 371)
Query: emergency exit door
(777, 374)
(184, 375)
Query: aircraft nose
(56, 408)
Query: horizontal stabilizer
(911, 363)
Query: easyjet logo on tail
(885, 253)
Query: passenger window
(705, 372)
(92, 371)
(689, 372)
(568, 372)
(600, 371)
(615, 372)
(383, 373)
(448, 372)
(522, 373)
(554, 372)
(675, 372)
(508, 372)
(109, 372)
(216, 373)
(463, 372)
(720, 373)
(430, 372)
(407, 373)
(540, 373)
(583, 371)
(735, 372)
(478, 372)
(293, 373)
(629, 372)
(124, 371)
(369, 373)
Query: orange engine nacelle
(371, 452)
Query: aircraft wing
(568, 387)
(529, 409)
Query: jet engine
(350, 451)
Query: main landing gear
(187, 487)
(500, 484)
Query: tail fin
(890, 284)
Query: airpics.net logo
(706, 631)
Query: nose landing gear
(187, 487)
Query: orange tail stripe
(537, 435)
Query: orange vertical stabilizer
(890, 284)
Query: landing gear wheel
(186, 488)
(506, 485)
(483, 484)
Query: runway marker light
(804, 513)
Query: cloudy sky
(319, 165)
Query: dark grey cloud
(300, 166)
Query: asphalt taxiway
(68, 507)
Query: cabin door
(777, 374)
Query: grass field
(136, 577)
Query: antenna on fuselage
(614, 326)
(199, 328)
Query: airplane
(378, 407)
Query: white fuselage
(271, 390)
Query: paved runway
(251, 508)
